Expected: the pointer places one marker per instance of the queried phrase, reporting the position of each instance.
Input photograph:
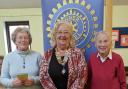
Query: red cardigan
(107, 75)
(77, 70)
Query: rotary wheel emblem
(83, 17)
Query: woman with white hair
(105, 67)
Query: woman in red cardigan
(63, 66)
(105, 68)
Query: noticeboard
(120, 37)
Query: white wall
(33, 15)
(120, 19)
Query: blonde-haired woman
(63, 66)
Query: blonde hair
(54, 31)
(20, 30)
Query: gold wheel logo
(83, 17)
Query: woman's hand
(17, 82)
(29, 82)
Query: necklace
(62, 61)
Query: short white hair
(103, 32)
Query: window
(10, 27)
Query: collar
(109, 56)
(23, 52)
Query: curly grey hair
(19, 30)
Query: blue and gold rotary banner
(86, 16)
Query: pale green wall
(120, 19)
(33, 15)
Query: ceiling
(12, 4)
